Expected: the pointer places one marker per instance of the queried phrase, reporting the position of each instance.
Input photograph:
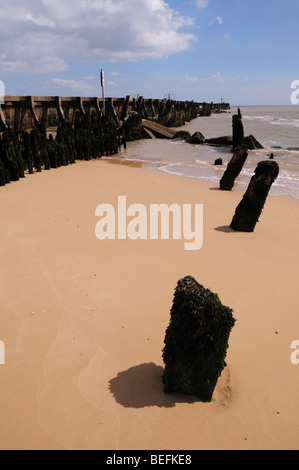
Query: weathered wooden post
(196, 341)
(27, 151)
(234, 168)
(3, 171)
(238, 130)
(250, 208)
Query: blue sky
(242, 51)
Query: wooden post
(250, 208)
(234, 168)
(125, 109)
(80, 105)
(59, 108)
(196, 341)
(238, 131)
(30, 100)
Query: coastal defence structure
(28, 112)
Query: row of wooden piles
(251, 206)
(90, 137)
(196, 340)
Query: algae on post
(196, 341)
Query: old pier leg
(250, 208)
(234, 168)
(196, 341)
(238, 130)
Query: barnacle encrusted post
(251, 206)
(196, 341)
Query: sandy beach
(83, 320)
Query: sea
(276, 128)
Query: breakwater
(28, 112)
(47, 132)
(21, 152)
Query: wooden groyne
(29, 112)
(40, 133)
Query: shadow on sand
(142, 386)
(225, 229)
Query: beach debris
(223, 141)
(238, 130)
(196, 341)
(252, 144)
(147, 134)
(196, 138)
(251, 206)
(218, 161)
(234, 168)
(182, 135)
(159, 131)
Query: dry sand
(83, 320)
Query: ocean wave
(286, 122)
(166, 169)
(275, 121)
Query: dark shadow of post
(142, 386)
(225, 229)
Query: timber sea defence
(41, 133)
(29, 112)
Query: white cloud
(217, 77)
(80, 87)
(40, 20)
(218, 20)
(202, 3)
(44, 36)
(190, 78)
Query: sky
(242, 51)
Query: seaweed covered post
(132, 127)
(234, 168)
(27, 151)
(196, 341)
(11, 155)
(250, 208)
(35, 144)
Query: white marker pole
(103, 91)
